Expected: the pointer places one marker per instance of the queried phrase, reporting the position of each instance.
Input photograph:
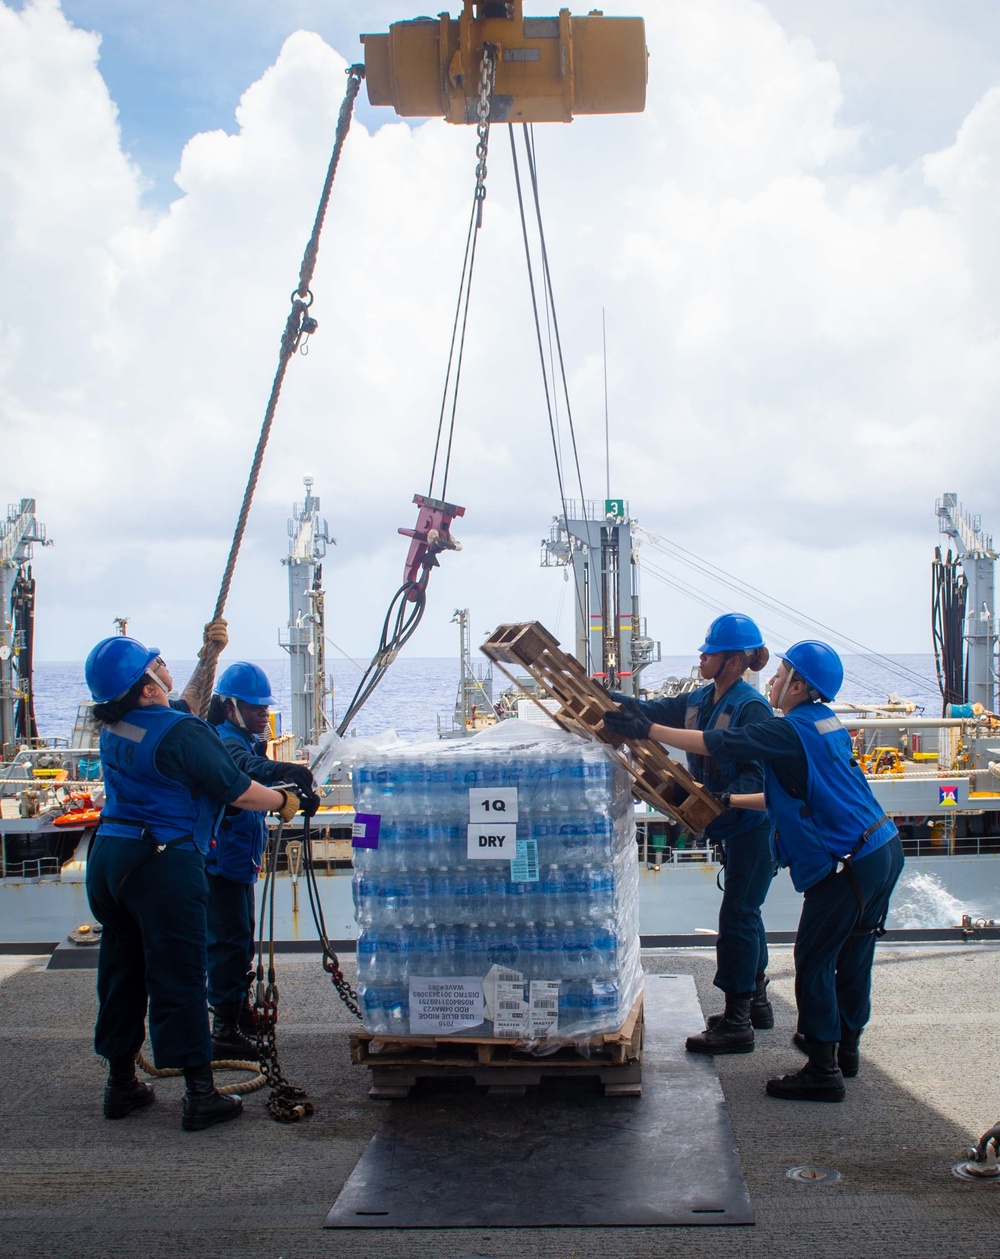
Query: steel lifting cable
(745, 589)
(298, 324)
(409, 602)
(538, 336)
(286, 1103)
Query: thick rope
(224, 1064)
(290, 339)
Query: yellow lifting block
(547, 68)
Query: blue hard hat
(818, 664)
(732, 632)
(115, 665)
(247, 682)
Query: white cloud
(801, 358)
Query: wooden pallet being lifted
(500, 1065)
(657, 779)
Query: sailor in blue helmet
(167, 779)
(239, 712)
(843, 853)
(732, 645)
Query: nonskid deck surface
(77, 1185)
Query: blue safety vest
(839, 818)
(238, 849)
(140, 802)
(703, 714)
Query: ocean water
(416, 691)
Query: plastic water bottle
(572, 1013)
(396, 1009)
(392, 949)
(365, 892)
(420, 906)
(527, 960)
(471, 892)
(496, 882)
(394, 900)
(425, 952)
(605, 944)
(367, 945)
(600, 893)
(576, 951)
(449, 953)
(548, 950)
(500, 947)
(373, 1009)
(474, 949)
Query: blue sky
(910, 69)
(795, 248)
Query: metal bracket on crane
(431, 536)
(548, 68)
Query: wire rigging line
(675, 551)
(550, 400)
(716, 606)
(298, 324)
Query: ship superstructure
(595, 542)
(305, 637)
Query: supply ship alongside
(938, 777)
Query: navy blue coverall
(743, 835)
(167, 778)
(234, 861)
(824, 811)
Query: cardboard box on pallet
(496, 888)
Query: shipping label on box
(543, 1007)
(498, 804)
(440, 1006)
(492, 841)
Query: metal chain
(487, 75)
(347, 994)
(286, 1103)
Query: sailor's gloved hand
(216, 634)
(627, 701)
(291, 805)
(628, 723)
(300, 776)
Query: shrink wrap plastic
(502, 896)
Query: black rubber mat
(563, 1155)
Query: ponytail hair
(113, 710)
(757, 659)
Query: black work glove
(297, 773)
(628, 702)
(628, 723)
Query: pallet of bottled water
(496, 887)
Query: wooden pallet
(657, 779)
(502, 1066)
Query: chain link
(286, 1103)
(487, 74)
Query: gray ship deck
(76, 1185)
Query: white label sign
(445, 1005)
(496, 804)
(492, 841)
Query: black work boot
(848, 1053)
(228, 1040)
(819, 1080)
(731, 1034)
(761, 1013)
(124, 1092)
(204, 1105)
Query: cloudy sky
(794, 248)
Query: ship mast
(18, 533)
(974, 551)
(596, 545)
(305, 640)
